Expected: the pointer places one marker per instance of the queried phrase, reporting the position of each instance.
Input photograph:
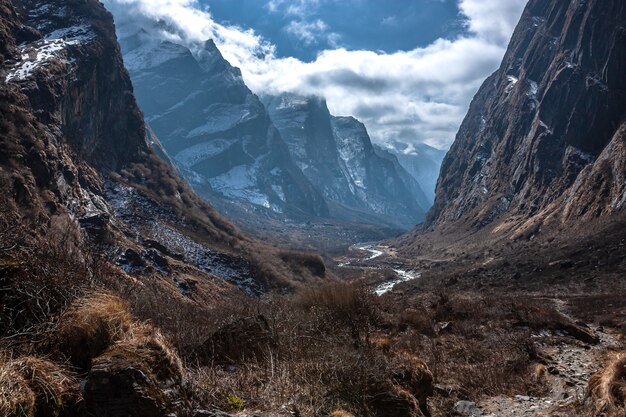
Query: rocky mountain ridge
(337, 155)
(544, 137)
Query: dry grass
(340, 413)
(32, 386)
(90, 326)
(607, 388)
(145, 339)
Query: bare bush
(607, 388)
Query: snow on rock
(240, 183)
(223, 117)
(35, 56)
(188, 157)
(42, 52)
(512, 82)
(533, 88)
(150, 55)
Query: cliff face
(336, 154)
(542, 137)
(73, 145)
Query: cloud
(299, 8)
(311, 32)
(412, 96)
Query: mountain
(544, 139)
(215, 130)
(423, 162)
(336, 154)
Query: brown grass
(32, 386)
(607, 388)
(340, 413)
(144, 338)
(90, 326)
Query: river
(402, 275)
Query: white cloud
(413, 96)
(299, 8)
(311, 32)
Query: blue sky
(408, 69)
(303, 29)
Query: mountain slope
(213, 127)
(336, 154)
(73, 151)
(543, 138)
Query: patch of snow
(512, 81)
(279, 192)
(222, 118)
(73, 35)
(40, 53)
(151, 55)
(35, 56)
(537, 20)
(483, 124)
(532, 93)
(194, 154)
(240, 183)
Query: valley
(180, 237)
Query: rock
(467, 408)
(141, 377)
(131, 258)
(338, 157)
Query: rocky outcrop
(336, 154)
(542, 138)
(214, 129)
(140, 377)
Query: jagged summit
(337, 155)
(213, 127)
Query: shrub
(607, 388)
(31, 386)
(90, 326)
(340, 305)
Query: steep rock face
(213, 127)
(545, 127)
(336, 154)
(423, 162)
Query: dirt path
(570, 365)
